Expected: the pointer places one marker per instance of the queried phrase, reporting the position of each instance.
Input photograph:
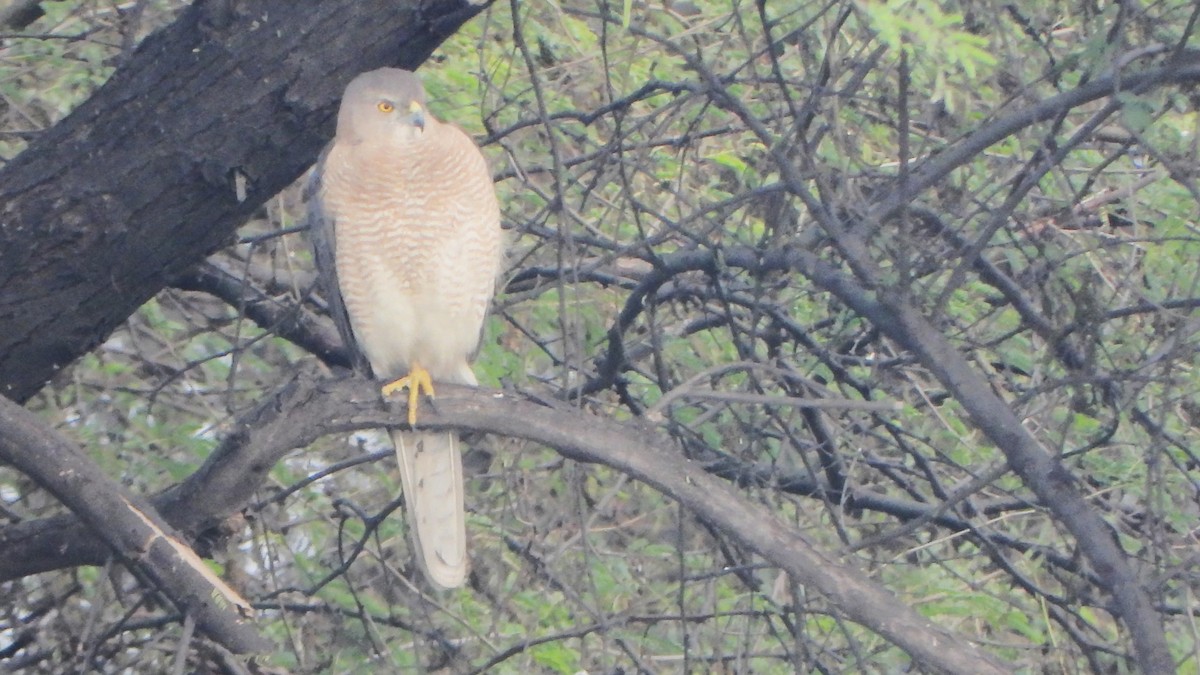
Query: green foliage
(624, 136)
(938, 49)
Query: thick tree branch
(128, 525)
(305, 410)
(290, 321)
(138, 184)
(20, 13)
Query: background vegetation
(680, 179)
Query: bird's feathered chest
(401, 213)
(416, 246)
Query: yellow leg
(417, 380)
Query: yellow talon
(416, 381)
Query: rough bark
(18, 14)
(139, 183)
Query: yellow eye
(385, 106)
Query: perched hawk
(406, 229)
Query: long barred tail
(431, 476)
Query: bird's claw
(416, 381)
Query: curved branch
(305, 409)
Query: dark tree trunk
(138, 184)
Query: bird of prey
(406, 230)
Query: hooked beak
(416, 115)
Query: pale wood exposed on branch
(128, 525)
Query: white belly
(400, 318)
(414, 328)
